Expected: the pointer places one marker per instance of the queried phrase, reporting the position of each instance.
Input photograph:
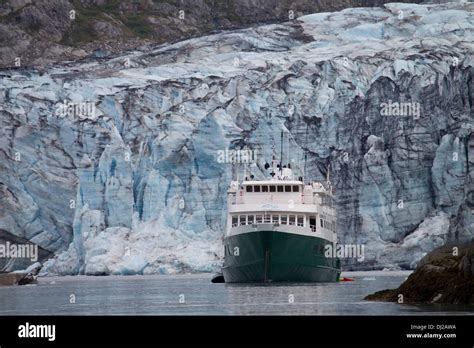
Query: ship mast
(328, 181)
(281, 155)
(305, 154)
(273, 173)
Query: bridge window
(242, 220)
(300, 220)
(250, 219)
(287, 188)
(259, 219)
(292, 220)
(296, 188)
(256, 189)
(235, 221)
(275, 219)
(249, 188)
(312, 223)
(280, 188)
(321, 222)
(264, 188)
(272, 188)
(284, 219)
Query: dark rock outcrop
(28, 276)
(11, 278)
(41, 32)
(446, 275)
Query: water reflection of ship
(279, 299)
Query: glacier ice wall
(135, 186)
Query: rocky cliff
(113, 164)
(40, 32)
(445, 275)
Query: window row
(282, 219)
(272, 188)
(327, 225)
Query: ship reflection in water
(196, 295)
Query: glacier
(135, 187)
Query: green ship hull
(271, 256)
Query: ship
(280, 230)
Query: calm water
(161, 295)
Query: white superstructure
(281, 204)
